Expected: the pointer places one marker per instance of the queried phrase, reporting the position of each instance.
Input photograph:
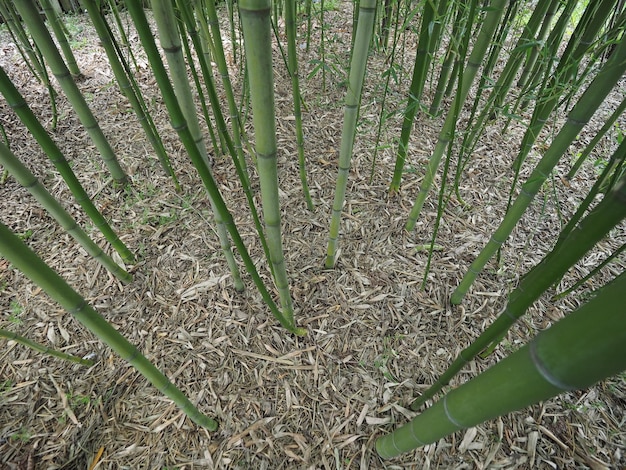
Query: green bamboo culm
(30, 14)
(128, 86)
(292, 65)
(55, 22)
(23, 176)
(179, 124)
(11, 336)
(214, 38)
(585, 347)
(27, 261)
(257, 40)
(19, 105)
(489, 26)
(358, 62)
(171, 43)
(590, 230)
(584, 109)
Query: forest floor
(376, 338)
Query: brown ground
(375, 338)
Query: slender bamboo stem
(24, 259)
(429, 36)
(292, 65)
(234, 146)
(591, 145)
(58, 29)
(128, 86)
(365, 25)
(255, 21)
(44, 349)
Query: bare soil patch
(375, 337)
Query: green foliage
(16, 311)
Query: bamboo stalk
(58, 29)
(128, 86)
(255, 21)
(18, 104)
(367, 10)
(44, 349)
(292, 65)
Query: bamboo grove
(560, 57)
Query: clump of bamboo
(171, 44)
(595, 226)
(586, 106)
(19, 105)
(56, 210)
(179, 124)
(583, 348)
(30, 14)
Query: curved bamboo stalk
(255, 21)
(18, 104)
(23, 176)
(42, 38)
(24, 259)
(606, 215)
(583, 348)
(365, 25)
(588, 103)
(44, 349)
